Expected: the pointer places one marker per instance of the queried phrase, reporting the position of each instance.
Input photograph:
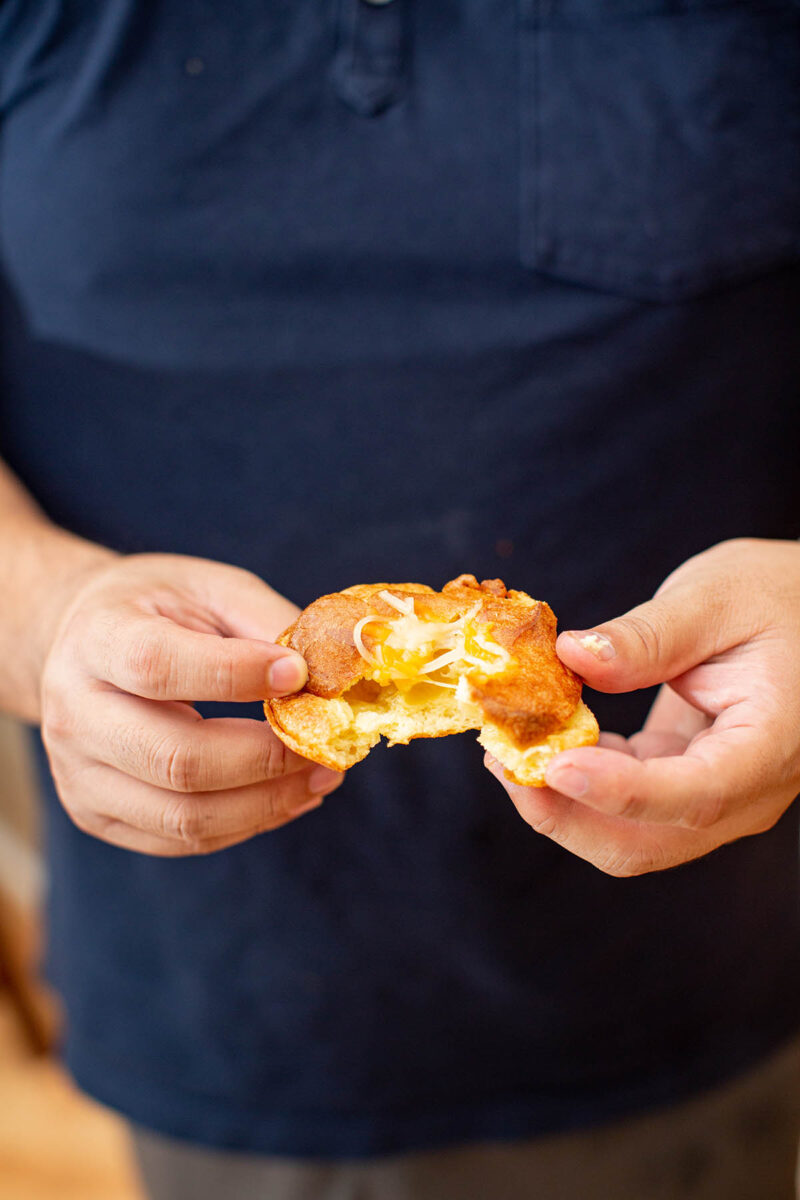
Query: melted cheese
(409, 650)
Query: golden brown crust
(538, 693)
(530, 700)
(296, 720)
(492, 587)
(323, 634)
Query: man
(314, 298)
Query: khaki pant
(737, 1142)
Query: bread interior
(422, 710)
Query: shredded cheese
(442, 661)
(359, 641)
(404, 606)
(410, 650)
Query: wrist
(42, 569)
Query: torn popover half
(403, 661)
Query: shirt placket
(369, 67)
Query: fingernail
(569, 781)
(286, 675)
(596, 643)
(322, 779)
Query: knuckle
(647, 633)
(276, 758)
(84, 818)
(282, 799)
(625, 863)
(705, 813)
(628, 806)
(546, 826)
(181, 821)
(147, 667)
(709, 801)
(225, 679)
(277, 799)
(58, 720)
(174, 765)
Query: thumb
(652, 643)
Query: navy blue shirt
(342, 293)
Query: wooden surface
(22, 877)
(54, 1143)
(18, 808)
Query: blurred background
(54, 1143)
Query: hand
(719, 755)
(134, 763)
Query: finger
(671, 713)
(154, 657)
(687, 623)
(656, 743)
(127, 837)
(201, 817)
(614, 741)
(645, 744)
(613, 845)
(173, 747)
(717, 777)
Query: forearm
(41, 567)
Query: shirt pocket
(660, 142)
